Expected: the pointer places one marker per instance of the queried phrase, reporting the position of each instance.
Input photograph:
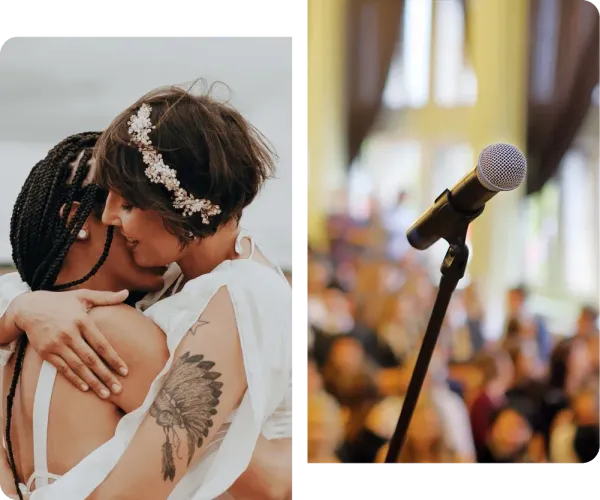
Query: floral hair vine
(159, 173)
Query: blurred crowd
(531, 396)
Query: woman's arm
(205, 383)
(60, 330)
(11, 286)
(269, 474)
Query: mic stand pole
(453, 269)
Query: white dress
(261, 297)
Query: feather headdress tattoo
(188, 401)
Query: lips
(130, 241)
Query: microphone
(501, 167)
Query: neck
(100, 281)
(203, 255)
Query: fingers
(96, 298)
(76, 364)
(97, 341)
(67, 372)
(96, 366)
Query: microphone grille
(501, 167)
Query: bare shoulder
(220, 309)
(215, 332)
(216, 324)
(135, 337)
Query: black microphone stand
(453, 270)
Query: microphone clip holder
(453, 270)
(456, 222)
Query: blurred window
(454, 81)
(541, 218)
(360, 189)
(408, 79)
(394, 166)
(579, 239)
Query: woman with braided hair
(60, 243)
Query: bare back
(78, 422)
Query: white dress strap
(244, 233)
(41, 412)
(238, 243)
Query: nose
(110, 215)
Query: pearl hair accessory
(140, 126)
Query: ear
(84, 232)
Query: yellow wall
(498, 35)
(326, 123)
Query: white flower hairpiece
(159, 173)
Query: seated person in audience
(509, 438)
(525, 324)
(367, 330)
(561, 449)
(349, 378)
(526, 391)
(329, 318)
(593, 346)
(319, 274)
(346, 374)
(497, 375)
(569, 372)
(463, 335)
(574, 432)
(325, 428)
(452, 409)
(474, 312)
(587, 322)
(315, 381)
(425, 441)
(586, 440)
(396, 329)
(381, 420)
(345, 274)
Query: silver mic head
(501, 167)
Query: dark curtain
(373, 29)
(564, 38)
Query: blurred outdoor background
(403, 95)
